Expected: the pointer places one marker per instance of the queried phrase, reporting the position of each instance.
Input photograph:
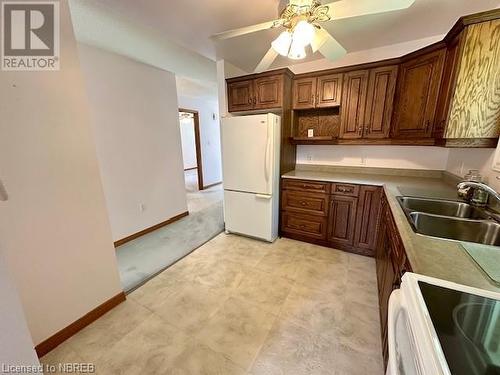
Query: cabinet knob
(303, 203)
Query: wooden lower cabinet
(391, 264)
(342, 221)
(339, 215)
(305, 226)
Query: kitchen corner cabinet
(417, 93)
(317, 92)
(471, 115)
(338, 215)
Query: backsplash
(406, 157)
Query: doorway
(191, 149)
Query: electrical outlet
(309, 157)
(363, 160)
(142, 207)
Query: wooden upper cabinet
(328, 91)
(240, 96)
(474, 111)
(447, 86)
(379, 102)
(353, 104)
(268, 92)
(342, 220)
(417, 94)
(304, 90)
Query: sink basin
(442, 207)
(452, 220)
(485, 232)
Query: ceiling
(190, 23)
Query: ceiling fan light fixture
(303, 33)
(297, 51)
(282, 43)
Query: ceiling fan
(302, 21)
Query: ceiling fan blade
(327, 45)
(243, 30)
(266, 61)
(350, 8)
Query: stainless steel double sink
(452, 220)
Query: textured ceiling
(190, 23)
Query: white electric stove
(438, 327)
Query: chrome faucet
(479, 185)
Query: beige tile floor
(240, 306)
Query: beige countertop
(429, 256)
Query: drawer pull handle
(303, 203)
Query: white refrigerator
(250, 167)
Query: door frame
(197, 141)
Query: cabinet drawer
(345, 189)
(310, 186)
(308, 203)
(305, 225)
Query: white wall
(188, 143)
(209, 135)
(136, 125)
(54, 227)
(16, 345)
(98, 24)
(409, 157)
(461, 160)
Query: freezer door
(247, 153)
(250, 214)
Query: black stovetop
(468, 327)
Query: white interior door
(247, 152)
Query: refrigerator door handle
(263, 196)
(268, 151)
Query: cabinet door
(303, 93)
(342, 220)
(329, 90)
(417, 94)
(367, 219)
(268, 92)
(379, 102)
(353, 104)
(240, 96)
(447, 87)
